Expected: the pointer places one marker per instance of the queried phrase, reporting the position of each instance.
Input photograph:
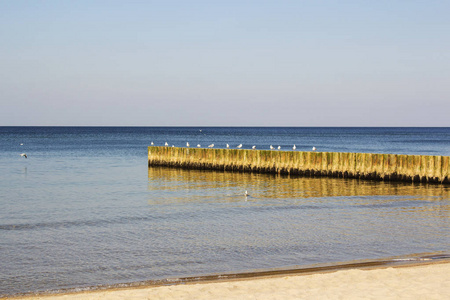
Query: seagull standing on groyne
(279, 147)
(293, 148)
(211, 146)
(239, 146)
(228, 146)
(313, 148)
(198, 145)
(187, 144)
(253, 147)
(271, 147)
(166, 144)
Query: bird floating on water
(313, 148)
(293, 148)
(228, 146)
(279, 147)
(246, 194)
(211, 146)
(271, 147)
(239, 146)
(253, 147)
(21, 144)
(198, 145)
(24, 155)
(187, 144)
(152, 143)
(166, 144)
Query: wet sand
(425, 280)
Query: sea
(85, 211)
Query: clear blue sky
(225, 63)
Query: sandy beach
(420, 281)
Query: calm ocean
(85, 210)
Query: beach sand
(420, 281)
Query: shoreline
(138, 290)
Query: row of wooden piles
(388, 167)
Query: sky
(224, 63)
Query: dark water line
(68, 224)
(398, 261)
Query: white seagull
(246, 194)
(21, 144)
(228, 146)
(198, 145)
(313, 148)
(279, 147)
(166, 144)
(239, 146)
(173, 145)
(24, 155)
(187, 144)
(211, 146)
(293, 148)
(271, 147)
(253, 147)
(152, 143)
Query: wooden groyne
(387, 167)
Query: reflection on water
(179, 186)
(295, 221)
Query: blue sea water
(84, 209)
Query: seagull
(239, 146)
(152, 143)
(198, 145)
(228, 146)
(253, 147)
(313, 148)
(24, 155)
(293, 148)
(173, 145)
(166, 144)
(187, 144)
(246, 194)
(211, 146)
(279, 147)
(271, 147)
(21, 144)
